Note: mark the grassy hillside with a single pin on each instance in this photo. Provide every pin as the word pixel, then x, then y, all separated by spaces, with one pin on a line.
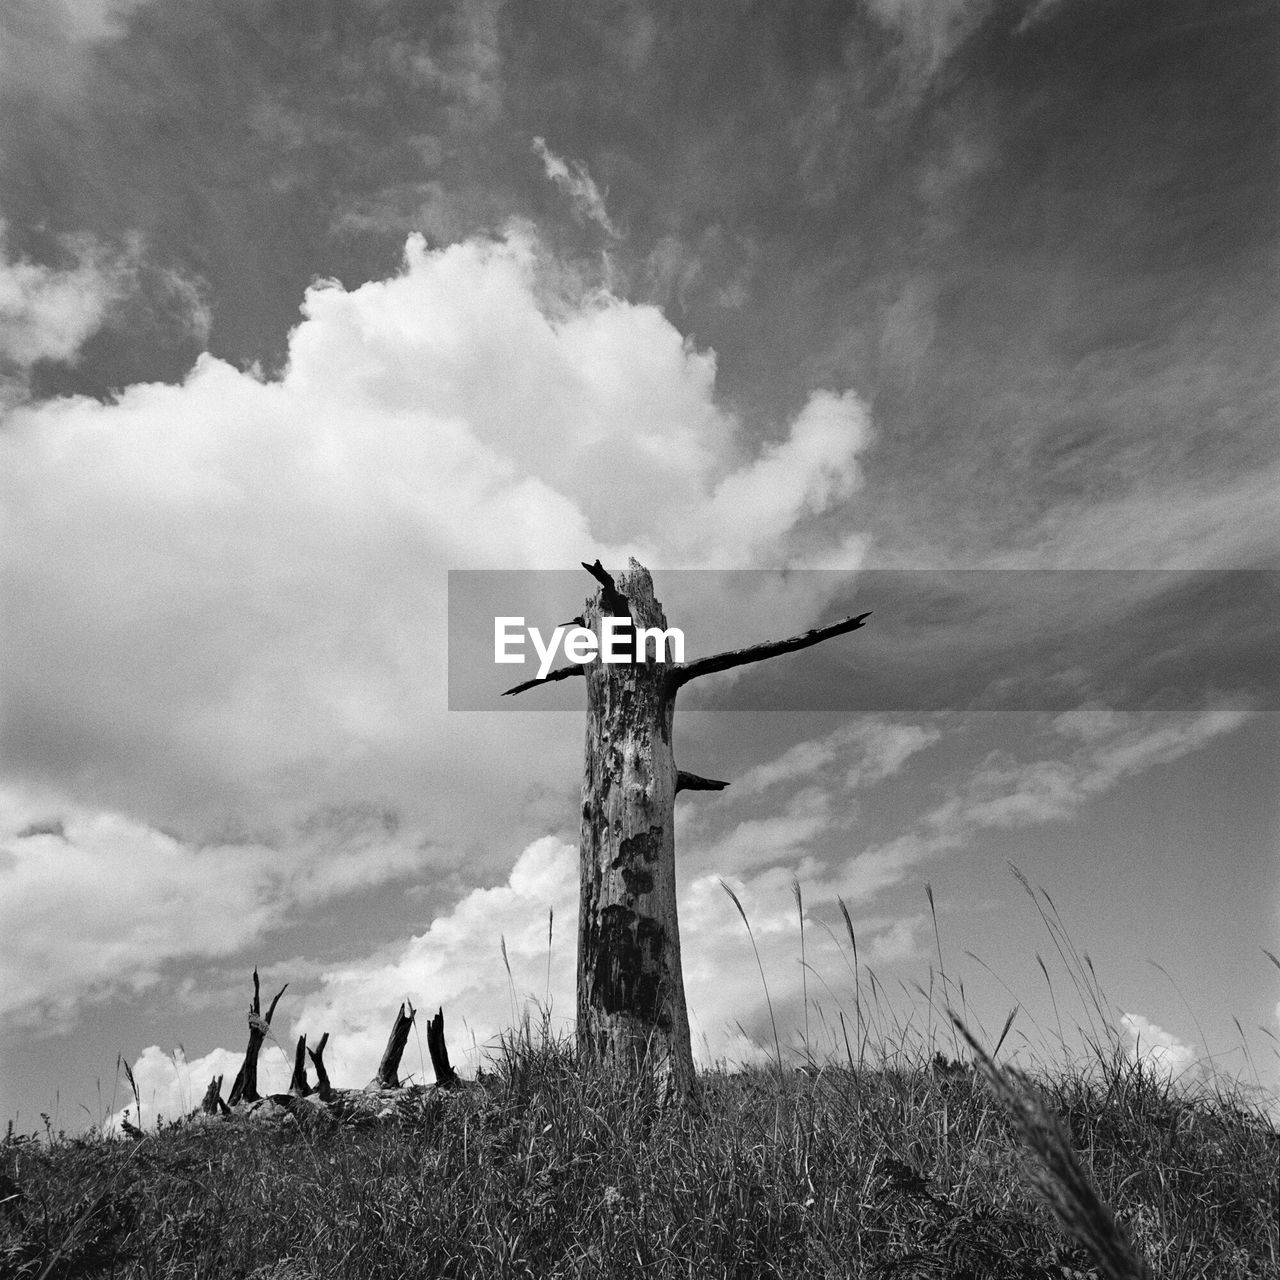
pixel 913 1167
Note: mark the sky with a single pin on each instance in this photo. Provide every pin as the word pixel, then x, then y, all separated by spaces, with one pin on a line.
pixel 306 306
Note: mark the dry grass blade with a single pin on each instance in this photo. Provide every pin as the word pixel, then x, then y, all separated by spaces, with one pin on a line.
pixel 1065 1186
pixel 777 1044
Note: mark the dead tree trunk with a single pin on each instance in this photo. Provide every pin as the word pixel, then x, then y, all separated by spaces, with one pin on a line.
pixel 245 1088
pixel 631 1007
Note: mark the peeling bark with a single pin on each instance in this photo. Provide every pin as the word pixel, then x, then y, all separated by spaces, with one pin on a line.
pixel 631 1007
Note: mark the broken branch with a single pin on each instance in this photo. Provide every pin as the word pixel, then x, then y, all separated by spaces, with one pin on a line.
pixel 562 674
pixel 692 782
pixel 681 675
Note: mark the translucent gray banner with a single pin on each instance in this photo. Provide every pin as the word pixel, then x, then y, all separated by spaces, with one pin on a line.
pixel 992 640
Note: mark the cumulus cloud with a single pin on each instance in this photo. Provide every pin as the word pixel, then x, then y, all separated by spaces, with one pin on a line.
pixel 170 1085
pixel 226 598
pixel 573 179
pixel 94 902
pixel 458 963
pixel 1156 1048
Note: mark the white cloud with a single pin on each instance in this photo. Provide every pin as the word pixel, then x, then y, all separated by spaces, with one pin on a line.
pixel 226 599
pixel 170 1086
pixel 93 902
pixel 457 963
pixel 868 749
pixel 930 31
pixel 574 180
pixel 1156 1048
pixel 43 42
pixel 1102 750
pixel 48 312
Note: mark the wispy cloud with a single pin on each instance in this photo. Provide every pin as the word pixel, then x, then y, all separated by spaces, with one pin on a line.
pixel 868 750
pixel 572 178
pixel 46 313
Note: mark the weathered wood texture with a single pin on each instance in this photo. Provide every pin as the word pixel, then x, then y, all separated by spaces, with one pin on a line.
pixel 631 1005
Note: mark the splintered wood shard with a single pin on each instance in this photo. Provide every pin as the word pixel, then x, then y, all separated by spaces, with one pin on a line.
pixel 387 1077
pixel 446 1076
pixel 323 1088
pixel 298 1085
pixel 212 1101
pixel 245 1088
pixel 613 602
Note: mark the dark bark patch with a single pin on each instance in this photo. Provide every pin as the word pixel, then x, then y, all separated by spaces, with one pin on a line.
pixel 637 881
pixel 644 846
pixel 627 965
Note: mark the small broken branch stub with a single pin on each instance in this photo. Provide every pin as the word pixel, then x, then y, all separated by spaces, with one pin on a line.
pixel 692 782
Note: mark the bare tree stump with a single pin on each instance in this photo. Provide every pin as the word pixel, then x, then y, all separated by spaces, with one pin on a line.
pixel 323 1088
pixel 446 1076
pixel 298 1085
pixel 387 1077
pixel 212 1103
pixel 245 1088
